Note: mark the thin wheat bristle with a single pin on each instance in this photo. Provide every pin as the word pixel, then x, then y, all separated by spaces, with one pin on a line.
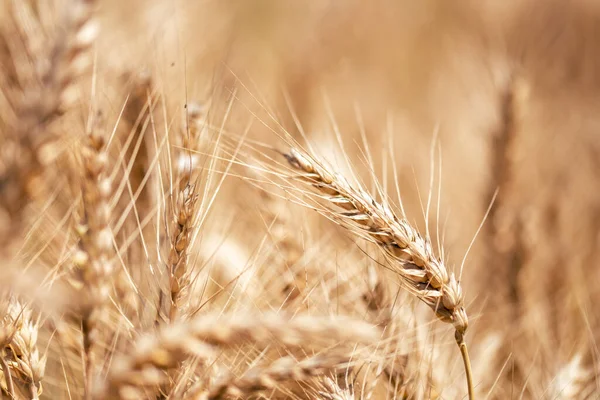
pixel 287 250
pixel 574 380
pixel 335 389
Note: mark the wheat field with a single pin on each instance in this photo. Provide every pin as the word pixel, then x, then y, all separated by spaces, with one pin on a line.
pixel 333 200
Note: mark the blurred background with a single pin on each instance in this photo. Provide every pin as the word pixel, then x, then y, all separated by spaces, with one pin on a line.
pixel 506 93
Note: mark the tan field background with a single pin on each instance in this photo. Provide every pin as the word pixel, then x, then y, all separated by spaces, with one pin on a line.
pixel 469 106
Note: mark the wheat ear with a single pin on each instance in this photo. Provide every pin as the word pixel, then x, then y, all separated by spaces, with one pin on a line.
pixel 340 388
pixel 265 378
pixel 185 208
pixel 69 59
pixel 409 254
pixel 94 258
pixel 22 355
pixel 48 92
pixel 9 324
pixel 200 337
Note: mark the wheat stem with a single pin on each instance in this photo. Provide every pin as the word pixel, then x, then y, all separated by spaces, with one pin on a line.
pixel 464 352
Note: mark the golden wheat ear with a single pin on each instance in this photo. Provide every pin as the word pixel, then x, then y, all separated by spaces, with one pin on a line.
pixel 22 365
pixel 284 369
pixel 408 254
pixel 185 208
pixel 39 83
pixel 204 337
pixel 94 258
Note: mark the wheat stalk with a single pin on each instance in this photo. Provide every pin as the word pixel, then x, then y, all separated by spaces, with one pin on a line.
pixel 410 255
